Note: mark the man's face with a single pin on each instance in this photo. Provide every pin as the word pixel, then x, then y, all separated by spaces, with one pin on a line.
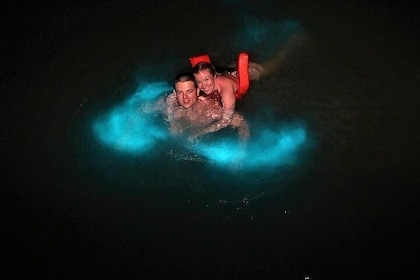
pixel 205 81
pixel 186 93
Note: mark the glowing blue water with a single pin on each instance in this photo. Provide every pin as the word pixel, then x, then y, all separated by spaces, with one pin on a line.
pixel 261 34
pixel 267 148
pixel 127 129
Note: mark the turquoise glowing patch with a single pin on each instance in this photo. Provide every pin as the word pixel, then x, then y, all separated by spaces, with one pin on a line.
pixel 268 147
pixel 126 128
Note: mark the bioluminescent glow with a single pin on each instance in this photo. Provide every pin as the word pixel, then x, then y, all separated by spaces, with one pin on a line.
pixel 277 147
pixel 149 92
pixel 126 128
pixel 269 36
pixel 222 152
pixel 268 148
pixel 261 34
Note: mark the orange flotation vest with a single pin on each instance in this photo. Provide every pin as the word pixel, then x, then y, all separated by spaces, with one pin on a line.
pixel 201 58
pixel 241 68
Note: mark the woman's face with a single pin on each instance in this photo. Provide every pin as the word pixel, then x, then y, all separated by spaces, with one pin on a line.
pixel 205 81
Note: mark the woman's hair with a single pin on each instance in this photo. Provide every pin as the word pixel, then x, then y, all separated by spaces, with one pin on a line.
pixel 203 66
pixel 185 77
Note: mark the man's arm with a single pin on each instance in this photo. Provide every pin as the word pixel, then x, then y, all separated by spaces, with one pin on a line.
pixel 233 119
pixel 224 121
pixel 240 122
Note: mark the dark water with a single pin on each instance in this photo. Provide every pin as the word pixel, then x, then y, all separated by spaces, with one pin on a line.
pixel 72 208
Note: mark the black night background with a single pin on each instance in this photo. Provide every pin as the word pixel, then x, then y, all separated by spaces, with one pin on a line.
pixel 73 208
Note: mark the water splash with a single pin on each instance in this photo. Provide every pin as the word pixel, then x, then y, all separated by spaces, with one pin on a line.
pixel 128 129
pixel 125 128
pixel 269 147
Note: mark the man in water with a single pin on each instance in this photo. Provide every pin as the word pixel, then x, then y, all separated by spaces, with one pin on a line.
pixel 191 116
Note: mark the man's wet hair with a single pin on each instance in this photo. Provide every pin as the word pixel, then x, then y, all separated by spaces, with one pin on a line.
pixel 185 76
